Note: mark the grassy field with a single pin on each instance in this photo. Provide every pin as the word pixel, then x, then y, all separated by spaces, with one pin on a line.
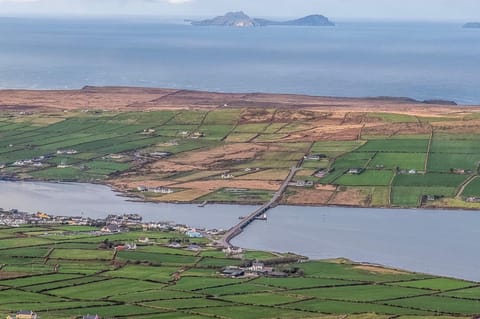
pixel 160 282
pixel 189 150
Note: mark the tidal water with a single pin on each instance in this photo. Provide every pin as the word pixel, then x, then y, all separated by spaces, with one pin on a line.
pixel 96 201
pixel 435 242
pixel 417 60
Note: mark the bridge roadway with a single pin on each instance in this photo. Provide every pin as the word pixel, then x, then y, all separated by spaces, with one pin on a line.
pixel 237 229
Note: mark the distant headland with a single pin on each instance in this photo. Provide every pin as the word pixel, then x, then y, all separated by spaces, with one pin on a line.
pixel 472 25
pixel 240 19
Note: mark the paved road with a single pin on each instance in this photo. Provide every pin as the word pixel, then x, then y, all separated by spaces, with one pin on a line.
pixel 237 229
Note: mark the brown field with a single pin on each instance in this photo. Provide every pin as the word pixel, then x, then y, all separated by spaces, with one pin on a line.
pixel 269 175
pixel 197 175
pixel 309 197
pixel 215 156
pixel 350 197
pixel 391 129
pixel 214 185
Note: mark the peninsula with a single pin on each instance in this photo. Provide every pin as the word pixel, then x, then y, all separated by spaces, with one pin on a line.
pixel 240 19
pixel 185 146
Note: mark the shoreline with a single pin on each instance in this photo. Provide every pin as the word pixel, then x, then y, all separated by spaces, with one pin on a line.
pixel 59 220
pixel 138 199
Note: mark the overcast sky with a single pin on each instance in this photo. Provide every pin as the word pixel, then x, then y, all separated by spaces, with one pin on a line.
pixel 457 10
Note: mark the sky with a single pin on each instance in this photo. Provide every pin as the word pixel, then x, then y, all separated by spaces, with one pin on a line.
pixel 416 10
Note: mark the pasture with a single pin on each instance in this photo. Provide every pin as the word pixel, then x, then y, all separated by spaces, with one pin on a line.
pixel 156 281
pixel 191 150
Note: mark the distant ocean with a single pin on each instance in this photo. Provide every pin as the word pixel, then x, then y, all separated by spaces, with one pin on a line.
pixel 422 61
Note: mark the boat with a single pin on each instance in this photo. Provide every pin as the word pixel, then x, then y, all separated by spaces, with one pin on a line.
pixel 263 217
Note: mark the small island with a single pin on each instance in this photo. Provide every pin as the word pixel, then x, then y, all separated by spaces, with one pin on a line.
pixel 472 25
pixel 240 19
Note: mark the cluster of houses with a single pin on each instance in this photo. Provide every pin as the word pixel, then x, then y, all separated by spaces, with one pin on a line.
pixel 472 199
pixel 156 190
pixel 34 162
pixel 14 218
pixel 23 314
pixel 28 314
pixel 39 161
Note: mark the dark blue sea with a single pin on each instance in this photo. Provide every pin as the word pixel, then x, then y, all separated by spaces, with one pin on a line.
pixel 417 60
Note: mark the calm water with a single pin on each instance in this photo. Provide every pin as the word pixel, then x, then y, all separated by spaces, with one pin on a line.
pixel 96 201
pixel 423 61
pixel 437 242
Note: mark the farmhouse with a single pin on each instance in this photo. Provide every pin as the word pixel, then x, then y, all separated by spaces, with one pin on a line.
pixel 233 250
pixel 142 188
pixel 303 183
pixel 320 173
pixel 144 240
pixel 197 135
pixel 193 233
pixel 111 229
pixel 461 171
pixel 233 272
pixel 175 245
pixel 148 131
pixel 314 157
pixel 227 176
pixel 160 154
pixel 257 266
pixel 23 314
pixel 67 152
pixel 355 171
pixel 194 247
pixel 162 190
pixel 91 317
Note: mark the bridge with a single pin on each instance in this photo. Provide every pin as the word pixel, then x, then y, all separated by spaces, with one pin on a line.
pixel 238 229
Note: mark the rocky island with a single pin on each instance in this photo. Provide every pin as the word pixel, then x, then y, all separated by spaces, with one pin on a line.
pixel 240 19
pixel 472 25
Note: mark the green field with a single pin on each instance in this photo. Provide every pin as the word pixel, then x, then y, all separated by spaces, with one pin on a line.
pixel 367 178
pixel 124 148
pixel 160 282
